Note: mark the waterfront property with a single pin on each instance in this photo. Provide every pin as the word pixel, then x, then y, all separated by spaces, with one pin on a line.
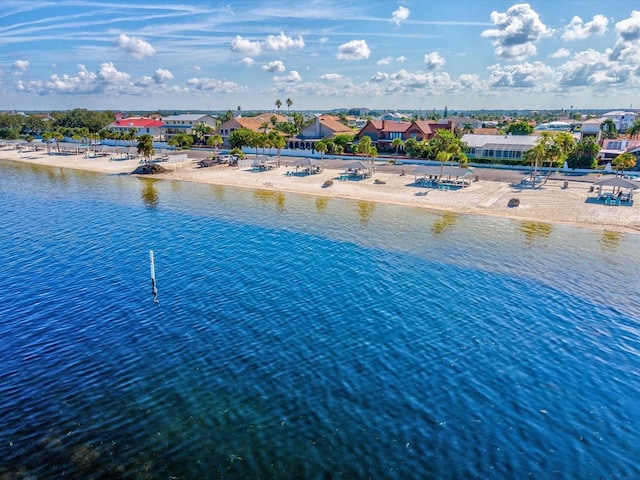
pixel 498 147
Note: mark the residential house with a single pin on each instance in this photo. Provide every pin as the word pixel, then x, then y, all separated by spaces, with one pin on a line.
pixel 255 124
pixel 461 122
pixel 498 147
pixel 383 132
pixel 591 128
pixel 142 126
pixel 323 126
pixel 622 119
pixel 184 123
pixel 612 147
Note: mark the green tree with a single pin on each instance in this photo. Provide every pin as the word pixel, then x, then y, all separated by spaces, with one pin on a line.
pixel 609 129
pixel 181 140
pixel 519 127
pixel 289 104
pixel 58 137
pixel 584 154
pixel 412 147
pixel 130 135
pixel 278 105
pixel 201 130
pixel 624 161
pixel 214 141
pixel 242 137
pixel 364 146
pixel 397 144
pixel 145 147
pixel 321 147
pixel 634 130
pixel 467 128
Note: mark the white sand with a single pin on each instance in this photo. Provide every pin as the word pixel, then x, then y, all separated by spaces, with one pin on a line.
pixel 551 203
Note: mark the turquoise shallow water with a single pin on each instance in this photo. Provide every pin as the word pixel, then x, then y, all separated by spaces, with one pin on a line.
pixel 306 338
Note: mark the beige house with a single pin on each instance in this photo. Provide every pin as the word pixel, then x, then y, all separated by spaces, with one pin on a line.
pixel 184 123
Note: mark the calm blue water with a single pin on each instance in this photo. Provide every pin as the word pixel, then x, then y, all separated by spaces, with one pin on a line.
pixel 299 337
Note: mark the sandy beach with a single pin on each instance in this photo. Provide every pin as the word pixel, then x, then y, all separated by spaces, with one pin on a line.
pixel 550 203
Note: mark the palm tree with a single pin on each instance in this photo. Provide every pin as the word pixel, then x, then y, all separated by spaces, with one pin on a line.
pixel 278 105
pixel 145 146
pixel 397 143
pixel 58 137
pixel 47 137
pixel 609 128
pixel 467 128
pixel 289 103
pixel 634 130
pixel 215 141
pixel 321 147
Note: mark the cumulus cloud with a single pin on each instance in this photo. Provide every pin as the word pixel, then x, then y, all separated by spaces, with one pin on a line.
pixel 332 77
pixel 354 50
pixel 247 61
pixel 526 75
pixel 274 67
pixel 518 30
pixel 108 80
pixel 434 60
pixel 323 40
pixel 272 43
pixel 162 75
pixel 400 15
pixel 20 65
pixel 401 59
pixel 379 77
pixel 247 47
pixel 293 77
pixel 561 53
pixel 576 30
pixel 109 74
pixel 282 42
pixel 213 85
pixel 627 46
pixel 136 47
pixel 591 68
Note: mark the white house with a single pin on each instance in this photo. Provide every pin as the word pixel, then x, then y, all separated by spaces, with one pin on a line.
pixel 184 123
pixel 622 119
pixel 498 147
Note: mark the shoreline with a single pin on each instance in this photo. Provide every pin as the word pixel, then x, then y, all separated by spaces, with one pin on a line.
pixel 550 203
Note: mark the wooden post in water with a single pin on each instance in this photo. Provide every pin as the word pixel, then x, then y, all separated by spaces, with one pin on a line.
pixel 154 288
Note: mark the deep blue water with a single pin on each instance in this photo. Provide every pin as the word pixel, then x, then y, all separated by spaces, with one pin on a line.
pixel 300 337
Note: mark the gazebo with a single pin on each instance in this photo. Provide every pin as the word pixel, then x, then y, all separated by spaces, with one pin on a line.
pixel 618 184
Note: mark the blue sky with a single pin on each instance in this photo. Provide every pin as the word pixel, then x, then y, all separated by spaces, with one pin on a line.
pixel 322 54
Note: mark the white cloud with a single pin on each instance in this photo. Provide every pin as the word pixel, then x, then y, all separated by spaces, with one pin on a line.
pixel 136 47
pixel 213 85
pixel 332 77
pixel 592 68
pixel 162 75
pixel 109 74
pixel 576 30
pixel 240 45
pixel 282 42
pixel 197 68
pixel 434 60
pixel 518 31
pixel 247 61
pixel 274 67
pixel 401 59
pixel 400 15
pixel 293 77
pixel 20 65
pixel 379 77
pixel 354 50
pixel 384 61
pixel 561 53
pixel 627 46
pixel 525 75
pixel 272 43
pixel 323 40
